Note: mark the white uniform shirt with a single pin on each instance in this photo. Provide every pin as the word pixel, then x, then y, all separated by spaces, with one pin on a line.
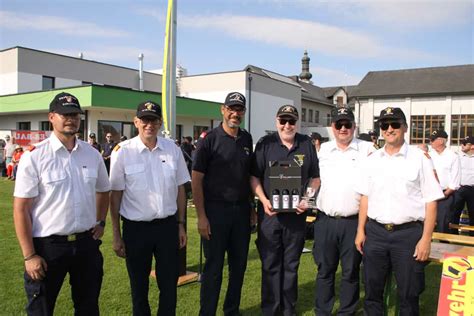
pixel 149 179
pixel 339 170
pixel 467 169
pixel 63 184
pixel 448 168
pixel 398 186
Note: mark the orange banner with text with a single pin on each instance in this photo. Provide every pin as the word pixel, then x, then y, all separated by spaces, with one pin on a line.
pixel 456 293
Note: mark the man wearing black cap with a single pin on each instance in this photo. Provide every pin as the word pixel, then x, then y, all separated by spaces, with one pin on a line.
pixel 448 169
pixel 61 200
pixel 93 142
pixel 281 236
pixel 396 217
pixel 374 139
pixel 222 195
pixel 465 194
pixel 336 225
pixel 147 175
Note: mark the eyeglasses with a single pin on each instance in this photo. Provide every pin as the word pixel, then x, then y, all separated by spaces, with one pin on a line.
pixel 289 121
pixel 395 125
pixel 238 109
pixel 149 120
pixel 339 125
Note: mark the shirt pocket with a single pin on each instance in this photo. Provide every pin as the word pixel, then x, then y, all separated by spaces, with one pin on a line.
pixel 409 180
pixel 135 178
pixel 169 171
pixel 54 177
pixel 90 179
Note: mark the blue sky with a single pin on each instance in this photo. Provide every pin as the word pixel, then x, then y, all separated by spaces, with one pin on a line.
pixel 345 39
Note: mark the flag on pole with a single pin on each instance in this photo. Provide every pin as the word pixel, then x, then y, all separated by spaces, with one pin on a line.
pixel 168 84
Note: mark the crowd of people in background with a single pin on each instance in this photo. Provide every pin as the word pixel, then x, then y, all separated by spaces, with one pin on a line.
pixel 374 205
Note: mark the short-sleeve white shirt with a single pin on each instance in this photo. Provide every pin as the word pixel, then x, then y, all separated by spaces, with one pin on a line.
pixel 149 179
pixel 448 168
pixel 398 186
pixel 63 185
pixel 467 169
pixel 338 170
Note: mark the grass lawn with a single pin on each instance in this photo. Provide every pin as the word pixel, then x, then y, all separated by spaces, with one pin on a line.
pixel 115 295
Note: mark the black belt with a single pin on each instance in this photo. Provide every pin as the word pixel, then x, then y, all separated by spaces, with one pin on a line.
pixel 355 216
pixel 393 227
pixel 68 238
pixel 153 221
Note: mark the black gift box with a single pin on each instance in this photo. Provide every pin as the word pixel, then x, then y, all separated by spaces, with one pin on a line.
pixel 285 188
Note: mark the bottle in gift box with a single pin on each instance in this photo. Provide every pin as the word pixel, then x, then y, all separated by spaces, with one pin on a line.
pixel 285 196
pixel 276 199
pixel 295 198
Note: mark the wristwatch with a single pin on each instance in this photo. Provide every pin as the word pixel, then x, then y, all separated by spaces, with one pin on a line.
pixel 100 223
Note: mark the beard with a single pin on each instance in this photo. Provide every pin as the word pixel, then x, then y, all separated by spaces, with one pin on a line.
pixel 230 124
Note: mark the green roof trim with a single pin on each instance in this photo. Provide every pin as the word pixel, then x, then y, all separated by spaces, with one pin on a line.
pixel 93 96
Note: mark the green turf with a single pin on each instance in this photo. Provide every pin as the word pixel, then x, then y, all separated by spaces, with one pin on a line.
pixel 115 295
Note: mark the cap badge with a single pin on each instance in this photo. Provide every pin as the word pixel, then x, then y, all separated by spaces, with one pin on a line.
pixel 149 106
pixel 287 109
pixel 236 97
pixel 388 111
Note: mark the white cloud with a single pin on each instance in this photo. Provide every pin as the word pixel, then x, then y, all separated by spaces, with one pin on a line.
pixel 393 14
pixel 314 36
pixel 55 24
pixel 327 77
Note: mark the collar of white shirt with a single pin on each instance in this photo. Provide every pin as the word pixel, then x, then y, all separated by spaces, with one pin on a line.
pixel 57 145
pixel 353 145
pixel 402 152
pixel 141 146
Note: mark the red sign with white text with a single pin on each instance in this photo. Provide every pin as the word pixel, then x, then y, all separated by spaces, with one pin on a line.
pixel 25 138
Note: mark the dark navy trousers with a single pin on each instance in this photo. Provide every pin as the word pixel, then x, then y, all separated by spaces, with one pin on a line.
pixel 280 242
pixel 83 261
pixel 143 241
pixel 230 233
pixel 334 243
pixel 386 251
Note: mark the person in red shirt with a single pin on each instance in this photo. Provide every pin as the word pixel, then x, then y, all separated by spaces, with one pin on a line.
pixel 12 166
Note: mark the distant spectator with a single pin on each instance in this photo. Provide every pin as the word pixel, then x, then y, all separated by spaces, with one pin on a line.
pixel 187 149
pixel 3 143
pixel 13 165
pixel 316 139
pixel 93 142
pixel 8 149
pixel 79 135
pixel 374 138
pixel 123 137
pixel 107 148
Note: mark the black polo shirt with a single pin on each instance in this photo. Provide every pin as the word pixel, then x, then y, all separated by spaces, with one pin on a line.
pixel 225 161
pixel 270 148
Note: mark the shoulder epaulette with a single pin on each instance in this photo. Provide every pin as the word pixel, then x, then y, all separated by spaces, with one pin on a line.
pixel 32 147
pixel 427 155
pixel 117 147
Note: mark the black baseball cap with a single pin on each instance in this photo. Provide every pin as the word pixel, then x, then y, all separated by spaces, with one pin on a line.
pixel 438 134
pixel 235 99
pixel 65 103
pixel 92 135
pixel 372 133
pixel 467 140
pixel 342 113
pixel 288 111
pixel 391 113
pixel 316 136
pixel 149 108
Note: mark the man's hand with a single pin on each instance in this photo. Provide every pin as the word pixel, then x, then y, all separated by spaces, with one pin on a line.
pixel 422 249
pixel 97 232
pixel 182 236
pixel 302 207
pixel 119 247
pixel 204 228
pixel 36 268
pixel 267 207
pixel 360 241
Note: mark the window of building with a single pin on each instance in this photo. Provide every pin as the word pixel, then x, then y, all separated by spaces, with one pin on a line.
pixel 423 125
pixel 310 115
pixel 116 128
pixel 23 126
pixel 179 131
pixel 45 126
pixel 316 116
pixel 328 119
pixel 48 83
pixel 461 126
pixel 197 130
pixel 303 114
pixel 340 101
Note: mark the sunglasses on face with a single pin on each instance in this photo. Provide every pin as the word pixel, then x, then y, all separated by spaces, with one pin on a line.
pixel 238 109
pixel 339 125
pixel 395 125
pixel 289 121
pixel 149 120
